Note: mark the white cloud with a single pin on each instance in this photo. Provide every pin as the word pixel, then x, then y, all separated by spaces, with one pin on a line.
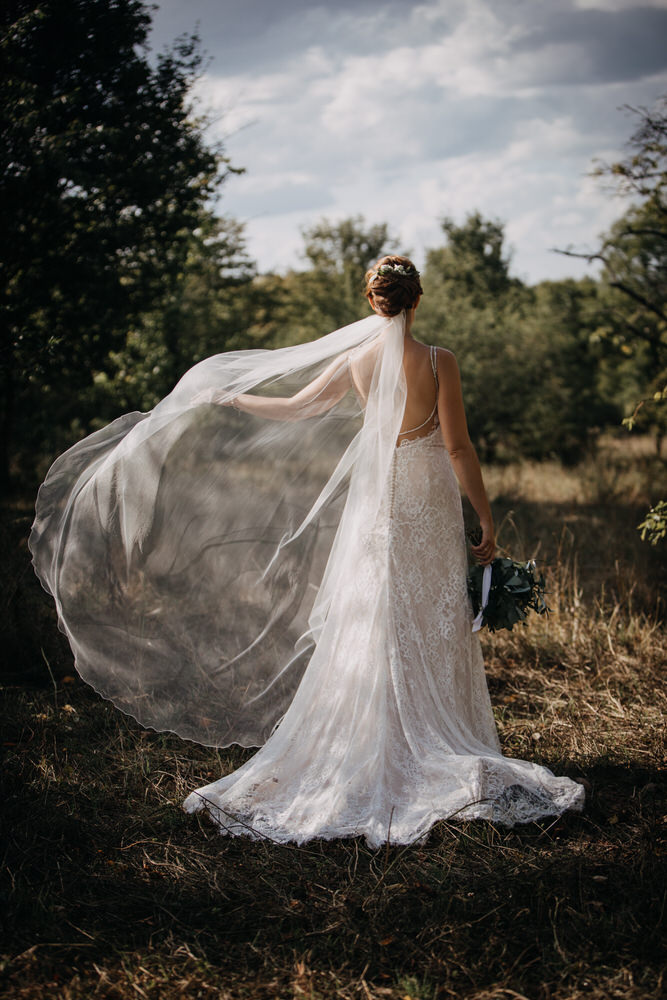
pixel 618 4
pixel 455 106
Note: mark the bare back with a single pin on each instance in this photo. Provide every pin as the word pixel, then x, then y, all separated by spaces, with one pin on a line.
pixel 421 406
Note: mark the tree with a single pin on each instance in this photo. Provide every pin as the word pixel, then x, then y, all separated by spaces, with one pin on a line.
pixel 302 304
pixel 105 176
pixel 633 253
pixel 473 264
pixel 339 255
pixel 566 406
pixel 468 301
pixel 528 370
pixel 210 308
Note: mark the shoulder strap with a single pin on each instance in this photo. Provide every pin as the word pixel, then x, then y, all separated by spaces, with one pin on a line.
pixel 434 363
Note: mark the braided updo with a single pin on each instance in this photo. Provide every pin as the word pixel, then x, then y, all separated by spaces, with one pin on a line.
pixel 394 290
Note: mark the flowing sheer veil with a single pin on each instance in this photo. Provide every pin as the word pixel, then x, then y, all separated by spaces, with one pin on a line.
pixel 194 551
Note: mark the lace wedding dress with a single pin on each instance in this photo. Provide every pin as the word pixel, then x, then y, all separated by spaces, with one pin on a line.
pixel 391 728
pixel 289 578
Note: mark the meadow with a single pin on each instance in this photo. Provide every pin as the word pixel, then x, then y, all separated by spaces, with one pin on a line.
pixel 109 890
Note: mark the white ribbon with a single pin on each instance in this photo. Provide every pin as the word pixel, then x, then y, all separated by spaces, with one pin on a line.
pixel 486 587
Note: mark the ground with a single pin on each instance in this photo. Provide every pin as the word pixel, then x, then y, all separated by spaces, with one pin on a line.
pixel 110 890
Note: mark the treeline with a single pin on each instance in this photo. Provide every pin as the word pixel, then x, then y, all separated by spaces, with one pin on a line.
pixel 119 271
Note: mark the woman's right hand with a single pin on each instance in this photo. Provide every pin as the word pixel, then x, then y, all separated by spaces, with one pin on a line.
pixel 484 552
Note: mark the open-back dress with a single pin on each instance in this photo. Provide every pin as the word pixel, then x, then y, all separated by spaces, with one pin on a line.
pixel 391 728
pixel 292 579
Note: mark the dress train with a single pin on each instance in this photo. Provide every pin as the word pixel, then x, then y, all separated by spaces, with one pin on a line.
pixel 391 728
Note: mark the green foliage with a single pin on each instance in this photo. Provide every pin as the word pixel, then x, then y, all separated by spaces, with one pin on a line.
pixel 650 413
pixel 527 356
pixel 205 313
pixel 295 307
pixel 634 256
pixel 654 526
pixel 339 254
pixel 472 266
pixel 634 259
pixel 569 405
pixel 633 253
pixel 514 590
pixel 468 295
pixel 104 179
pixel 643 173
pixel 117 275
pixel 349 246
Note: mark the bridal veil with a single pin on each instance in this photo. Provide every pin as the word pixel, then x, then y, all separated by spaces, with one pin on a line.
pixel 193 551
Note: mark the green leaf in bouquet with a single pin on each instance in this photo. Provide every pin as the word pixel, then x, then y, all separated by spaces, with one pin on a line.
pixel 515 589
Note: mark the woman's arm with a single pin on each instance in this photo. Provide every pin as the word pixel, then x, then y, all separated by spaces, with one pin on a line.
pixel 315 398
pixel 454 429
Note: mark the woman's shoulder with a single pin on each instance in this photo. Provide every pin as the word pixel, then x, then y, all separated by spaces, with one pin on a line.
pixel 424 348
pixel 446 362
pixel 444 356
pixel 441 352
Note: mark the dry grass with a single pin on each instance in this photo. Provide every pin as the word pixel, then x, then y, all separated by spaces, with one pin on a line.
pixel 111 891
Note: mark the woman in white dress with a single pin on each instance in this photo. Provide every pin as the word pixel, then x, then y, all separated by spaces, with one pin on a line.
pixel 287 569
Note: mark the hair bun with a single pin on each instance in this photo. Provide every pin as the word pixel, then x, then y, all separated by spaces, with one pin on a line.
pixel 393 285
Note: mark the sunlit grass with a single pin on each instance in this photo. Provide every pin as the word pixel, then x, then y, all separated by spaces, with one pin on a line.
pixel 110 890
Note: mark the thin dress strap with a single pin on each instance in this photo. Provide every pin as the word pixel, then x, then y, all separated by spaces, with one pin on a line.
pixel 434 366
pixel 433 413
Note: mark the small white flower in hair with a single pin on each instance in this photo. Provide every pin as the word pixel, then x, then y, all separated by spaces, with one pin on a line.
pixel 387 270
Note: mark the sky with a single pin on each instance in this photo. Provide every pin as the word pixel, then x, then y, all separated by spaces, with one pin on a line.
pixel 406 112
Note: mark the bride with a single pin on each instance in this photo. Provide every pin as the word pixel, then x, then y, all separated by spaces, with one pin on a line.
pixel 275 556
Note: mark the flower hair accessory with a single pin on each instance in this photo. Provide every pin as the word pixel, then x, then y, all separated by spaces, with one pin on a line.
pixel 395 271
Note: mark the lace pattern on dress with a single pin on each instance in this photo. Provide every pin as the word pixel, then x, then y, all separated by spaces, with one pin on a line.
pixel 393 729
pixel 396 731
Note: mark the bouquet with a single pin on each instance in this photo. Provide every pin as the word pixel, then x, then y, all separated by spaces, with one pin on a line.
pixel 503 592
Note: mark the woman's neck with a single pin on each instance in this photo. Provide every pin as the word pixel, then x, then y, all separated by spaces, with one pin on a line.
pixel 409 319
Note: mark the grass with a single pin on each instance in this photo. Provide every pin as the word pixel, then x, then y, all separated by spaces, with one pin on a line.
pixel 110 890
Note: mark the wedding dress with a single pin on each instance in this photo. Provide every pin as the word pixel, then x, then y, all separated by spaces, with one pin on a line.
pixel 293 579
pixel 391 728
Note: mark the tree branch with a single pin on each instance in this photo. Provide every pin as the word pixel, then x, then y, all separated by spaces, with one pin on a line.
pixel 640 299
pixel 643 335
